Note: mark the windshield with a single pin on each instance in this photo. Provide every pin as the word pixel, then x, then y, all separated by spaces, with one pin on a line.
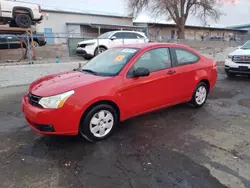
pixel 105 35
pixel 110 62
pixel 246 45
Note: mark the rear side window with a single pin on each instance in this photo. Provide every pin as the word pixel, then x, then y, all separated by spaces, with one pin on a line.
pixel 185 57
pixel 119 35
pixel 139 36
pixel 130 35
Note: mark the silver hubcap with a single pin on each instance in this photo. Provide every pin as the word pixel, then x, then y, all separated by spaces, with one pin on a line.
pixel 101 50
pixel 101 123
pixel 201 95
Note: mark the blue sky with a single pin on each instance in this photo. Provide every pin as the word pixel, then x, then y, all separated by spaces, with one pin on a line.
pixel 234 14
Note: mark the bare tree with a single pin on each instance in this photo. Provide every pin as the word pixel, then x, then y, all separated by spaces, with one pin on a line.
pixel 176 10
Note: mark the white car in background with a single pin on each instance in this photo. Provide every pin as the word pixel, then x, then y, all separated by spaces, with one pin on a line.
pixel 238 62
pixel 91 48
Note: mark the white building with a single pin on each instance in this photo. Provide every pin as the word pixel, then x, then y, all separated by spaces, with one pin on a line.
pixel 58 24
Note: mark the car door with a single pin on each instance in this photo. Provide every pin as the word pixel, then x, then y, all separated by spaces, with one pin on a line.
pixel 185 73
pixel 116 39
pixel 13 42
pixel 144 94
pixel 3 42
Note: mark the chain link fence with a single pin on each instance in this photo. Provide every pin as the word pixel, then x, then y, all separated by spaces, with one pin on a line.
pixel 63 46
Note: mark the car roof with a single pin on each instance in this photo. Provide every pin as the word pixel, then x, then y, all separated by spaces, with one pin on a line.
pixel 149 45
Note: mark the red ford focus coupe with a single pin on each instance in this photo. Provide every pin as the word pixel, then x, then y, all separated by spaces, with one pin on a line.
pixel 118 84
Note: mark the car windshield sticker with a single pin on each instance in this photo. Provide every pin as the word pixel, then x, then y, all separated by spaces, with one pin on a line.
pixel 119 58
pixel 129 50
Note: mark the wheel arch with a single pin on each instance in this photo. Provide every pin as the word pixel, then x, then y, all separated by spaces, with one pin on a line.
pixel 98 102
pixel 102 46
pixel 206 81
pixel 22 10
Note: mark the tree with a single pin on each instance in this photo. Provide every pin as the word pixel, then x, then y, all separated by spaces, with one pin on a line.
pixel 176 10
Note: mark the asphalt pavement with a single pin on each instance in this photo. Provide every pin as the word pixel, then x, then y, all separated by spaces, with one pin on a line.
pixel 178 147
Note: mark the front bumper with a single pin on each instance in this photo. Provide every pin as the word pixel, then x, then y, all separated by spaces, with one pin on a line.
pixel 88 51
pixel 63 121
pixel 39 19
pixel 236 68
pixel 81 52
pixel 42 43
pixel 239 70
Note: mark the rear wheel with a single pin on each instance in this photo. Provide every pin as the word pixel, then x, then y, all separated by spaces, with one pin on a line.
pixel 23 20
pixel 200 95
pixel 99 122
pixel 34 44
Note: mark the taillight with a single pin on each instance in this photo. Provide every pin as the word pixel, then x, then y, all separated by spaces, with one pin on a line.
pixel 43 37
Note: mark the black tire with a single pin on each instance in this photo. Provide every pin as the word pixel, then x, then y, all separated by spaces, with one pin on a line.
pixel 100 50
pixel 13 24
pixel 23 20
pixel 85 123
pixel 230 75
pixel 35 44
pixel 194 102
pixel 87 57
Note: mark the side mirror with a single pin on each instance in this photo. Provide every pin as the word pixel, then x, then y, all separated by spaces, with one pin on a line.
pixel 141 72
pixel 113 38
pixel 239 47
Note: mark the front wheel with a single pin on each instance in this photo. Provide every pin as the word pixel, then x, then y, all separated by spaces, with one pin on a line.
pixel 99 123
pixel 99 50
pixel 230 75
pixel 200 95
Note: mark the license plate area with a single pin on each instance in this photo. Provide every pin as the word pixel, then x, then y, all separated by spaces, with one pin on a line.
pixel 243 68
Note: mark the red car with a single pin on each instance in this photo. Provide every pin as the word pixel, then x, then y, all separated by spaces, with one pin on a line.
pixel 118 84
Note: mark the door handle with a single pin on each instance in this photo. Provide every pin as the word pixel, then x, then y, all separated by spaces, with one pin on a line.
pixel 170 72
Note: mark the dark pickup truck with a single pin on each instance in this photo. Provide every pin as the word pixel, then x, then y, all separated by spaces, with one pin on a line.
pixel 13 42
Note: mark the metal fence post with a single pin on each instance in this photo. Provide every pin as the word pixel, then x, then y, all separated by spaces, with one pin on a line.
pixel 29 52
pixel 98 45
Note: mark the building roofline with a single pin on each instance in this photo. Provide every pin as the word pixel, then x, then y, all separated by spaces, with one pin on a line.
pixel 239 26
pixel 96 25
pixel 84 13
pixel 192 26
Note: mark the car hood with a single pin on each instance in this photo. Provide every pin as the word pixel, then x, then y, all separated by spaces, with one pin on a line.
pixel 59 83
pixel 90 41
pixel 241 52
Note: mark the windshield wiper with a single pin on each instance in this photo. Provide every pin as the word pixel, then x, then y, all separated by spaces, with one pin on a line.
pixel 89 71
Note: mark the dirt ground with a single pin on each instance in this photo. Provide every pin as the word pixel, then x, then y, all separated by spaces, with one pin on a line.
pixel 175 147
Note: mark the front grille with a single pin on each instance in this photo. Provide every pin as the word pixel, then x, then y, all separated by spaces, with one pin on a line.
pixel 241 59
pixel 34 100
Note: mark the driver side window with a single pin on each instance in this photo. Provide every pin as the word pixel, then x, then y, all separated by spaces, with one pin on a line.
pixel 154 60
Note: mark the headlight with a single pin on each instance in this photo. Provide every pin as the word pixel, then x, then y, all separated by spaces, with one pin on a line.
pixel 56 101
pixel 229 56
pixel 90 44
